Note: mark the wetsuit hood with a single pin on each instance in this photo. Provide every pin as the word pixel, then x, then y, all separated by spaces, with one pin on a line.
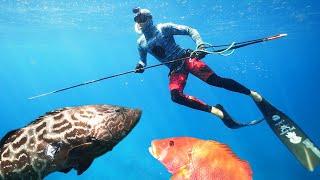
pixel 143 17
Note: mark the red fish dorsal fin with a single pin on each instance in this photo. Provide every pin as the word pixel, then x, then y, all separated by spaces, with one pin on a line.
pixel 212 152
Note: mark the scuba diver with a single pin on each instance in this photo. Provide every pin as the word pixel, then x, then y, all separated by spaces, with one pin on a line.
pixel 158 40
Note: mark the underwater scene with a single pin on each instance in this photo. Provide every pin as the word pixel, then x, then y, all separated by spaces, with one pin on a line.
pixel 159 89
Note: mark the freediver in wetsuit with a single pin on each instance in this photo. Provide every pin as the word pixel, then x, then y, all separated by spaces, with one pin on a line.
pixel 158 40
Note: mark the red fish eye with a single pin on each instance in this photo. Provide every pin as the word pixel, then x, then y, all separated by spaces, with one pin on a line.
pixel 171 143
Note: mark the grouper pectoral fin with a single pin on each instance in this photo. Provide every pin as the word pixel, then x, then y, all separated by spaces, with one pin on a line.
pixel 86 148
pixel 83 165
pixel 81 156
pixel 80 151
pixel 66 170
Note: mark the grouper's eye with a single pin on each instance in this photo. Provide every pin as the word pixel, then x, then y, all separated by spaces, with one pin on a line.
pixel 171 143
pixel 118 110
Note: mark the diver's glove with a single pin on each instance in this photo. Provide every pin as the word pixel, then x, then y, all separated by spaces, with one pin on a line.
pixel 139 68
pixel 200 52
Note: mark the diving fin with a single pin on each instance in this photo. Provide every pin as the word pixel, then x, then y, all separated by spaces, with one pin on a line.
pixel 291 135
pixel 231 123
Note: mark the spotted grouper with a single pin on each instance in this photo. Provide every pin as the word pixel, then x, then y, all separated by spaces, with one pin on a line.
pixel 65 139
pixel 196 159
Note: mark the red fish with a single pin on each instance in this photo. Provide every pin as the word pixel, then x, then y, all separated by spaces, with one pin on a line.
pixel 196 159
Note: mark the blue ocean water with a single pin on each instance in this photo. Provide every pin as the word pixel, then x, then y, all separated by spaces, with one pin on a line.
pixel 47 45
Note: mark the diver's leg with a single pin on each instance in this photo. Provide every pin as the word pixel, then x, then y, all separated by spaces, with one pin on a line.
pixel 227 83
pixel 203 72
pixel 233 85
pixel 189 101
pixel 177 84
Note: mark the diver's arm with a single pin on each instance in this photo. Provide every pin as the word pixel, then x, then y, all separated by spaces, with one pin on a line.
pixel 143 59
pixel 175 29
pixel 142 51
pixel 143 56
